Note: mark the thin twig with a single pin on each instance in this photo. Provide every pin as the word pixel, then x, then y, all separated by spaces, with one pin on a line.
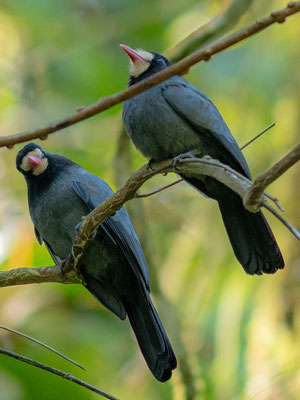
pixel 58 372
pixel 42 344
pixel 275 200
pixel 283 220
pixel 105 103
pixel 257 136
pixel 140 196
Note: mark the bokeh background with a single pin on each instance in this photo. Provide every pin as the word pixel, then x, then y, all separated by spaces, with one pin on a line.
pixel 236 336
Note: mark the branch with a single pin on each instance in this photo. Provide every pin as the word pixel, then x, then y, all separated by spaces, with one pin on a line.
pixel 24 276
pixel 199 166
pixel 204 166
pixel 218 25
pixel 58 372
pixel 283 220
pixel 263 180
pixel 105 103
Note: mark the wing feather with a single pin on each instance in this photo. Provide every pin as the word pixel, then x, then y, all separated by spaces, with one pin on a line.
pixel 196 109
pixel 93 191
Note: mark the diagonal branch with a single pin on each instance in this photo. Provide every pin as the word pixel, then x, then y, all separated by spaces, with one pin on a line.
pixel 105 103
pixel 55 371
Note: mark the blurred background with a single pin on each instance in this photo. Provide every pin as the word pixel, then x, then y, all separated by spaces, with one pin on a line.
pixel 236 336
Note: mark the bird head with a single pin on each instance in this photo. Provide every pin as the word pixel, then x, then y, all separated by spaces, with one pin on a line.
pixel 144 63
pixel 32 160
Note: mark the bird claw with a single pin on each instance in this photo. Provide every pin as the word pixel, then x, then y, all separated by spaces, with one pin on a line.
pixel 77 230
pixel 77 227
pixel 150 163
pixel 64 266
pixel 176 160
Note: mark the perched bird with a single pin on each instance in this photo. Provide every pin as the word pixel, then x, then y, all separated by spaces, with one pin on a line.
pixel 175 118
pixel 113 266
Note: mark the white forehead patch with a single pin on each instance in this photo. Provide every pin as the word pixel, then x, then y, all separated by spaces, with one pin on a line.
pixel 25 165
pixel 137 67
pixel 145 54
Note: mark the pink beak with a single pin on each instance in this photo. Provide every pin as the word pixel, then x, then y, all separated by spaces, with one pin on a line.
pixel 34 161
pixel 132 54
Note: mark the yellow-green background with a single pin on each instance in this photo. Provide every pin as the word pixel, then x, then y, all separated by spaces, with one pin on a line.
pixel 241 334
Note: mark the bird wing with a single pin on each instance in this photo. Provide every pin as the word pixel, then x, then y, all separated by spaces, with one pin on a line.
pixel 93 191
pixel 101 291
pixel 55 258
pixel 198 111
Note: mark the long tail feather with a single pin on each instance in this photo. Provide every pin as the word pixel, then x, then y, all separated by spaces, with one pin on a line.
pixel 152 338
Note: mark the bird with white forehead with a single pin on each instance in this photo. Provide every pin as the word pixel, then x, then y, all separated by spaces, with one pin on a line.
pixel 144 63
pixel 175 119
pixel 113 266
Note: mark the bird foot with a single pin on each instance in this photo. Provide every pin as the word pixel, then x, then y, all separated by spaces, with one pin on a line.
pixel 77 230
pixel 190 154
pixel 77 227
pixel 64 266
pixel 150 163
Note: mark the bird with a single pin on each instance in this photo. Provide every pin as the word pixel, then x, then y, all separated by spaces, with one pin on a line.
pixel 113 265
pixel 173 120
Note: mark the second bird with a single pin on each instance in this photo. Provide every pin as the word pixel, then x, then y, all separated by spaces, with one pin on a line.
pixel 113 265
pixel 175 117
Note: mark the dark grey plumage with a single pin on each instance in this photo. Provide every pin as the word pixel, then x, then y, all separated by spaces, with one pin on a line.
pixel 175 117
pixel 113 266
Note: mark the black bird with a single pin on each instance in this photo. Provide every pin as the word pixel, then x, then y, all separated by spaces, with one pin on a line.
pixel 113 266
pixel 175 118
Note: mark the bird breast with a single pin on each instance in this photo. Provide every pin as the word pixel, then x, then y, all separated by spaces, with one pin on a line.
pixel 56 215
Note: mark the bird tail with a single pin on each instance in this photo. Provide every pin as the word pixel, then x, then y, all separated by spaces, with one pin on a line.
pixel 151 337
pixel 251 238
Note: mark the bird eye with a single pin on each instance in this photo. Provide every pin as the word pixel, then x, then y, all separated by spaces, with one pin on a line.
pixel 161 61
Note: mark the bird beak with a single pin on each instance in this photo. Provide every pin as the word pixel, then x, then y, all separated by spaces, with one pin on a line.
pixel 34 161
pixel 134 56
